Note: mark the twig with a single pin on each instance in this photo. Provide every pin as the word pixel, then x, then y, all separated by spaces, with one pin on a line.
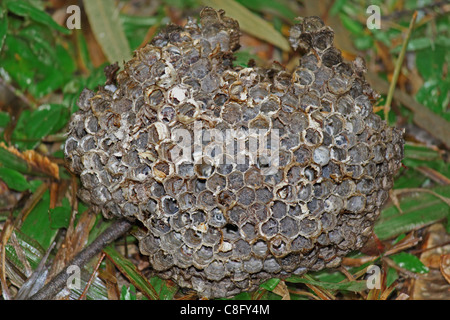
pixel 398 67
pixel 83 295
pixel 117 229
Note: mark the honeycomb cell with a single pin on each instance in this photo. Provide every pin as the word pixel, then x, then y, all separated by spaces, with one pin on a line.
pixel 235 180
pixel 269 228
pixel 279 246
pixel 246 196
pixel 288 227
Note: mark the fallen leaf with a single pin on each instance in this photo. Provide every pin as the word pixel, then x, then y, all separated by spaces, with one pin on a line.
pixel 36 162
pixel 282 290
pixel 445 266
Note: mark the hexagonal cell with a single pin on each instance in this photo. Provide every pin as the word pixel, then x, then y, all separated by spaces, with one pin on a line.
pixel 175 186
pixel 327 253
pixel 260 122
pixel 305 192
pixel 161 261
pixel 302 244
pixel 186 200
pixel 345 188
pixel 290 141
pixel 310 100
pixel 334 124
pixel 149 244
pixel 246 196
pixel 212 236
pixel 259 92
pixel 271 265
pixel 285 193
pixel 192 238
pixel 278 209
pixel 315 206
pixel 323 189
pixel 338 154
pixel 257 212
pixel 356 204
pixel 312 172
pixel 169 205
pixel 158 226
pixel 236 214
pixel 148 209
pixel 328 221
pixel 206 199
pixel 217 218
pixel 241 249
pixel 269 228
pixel 253 265
pixel 226 198
pixel 288 227
pixel 270 105
pixel 237 91
pixel 185 169
pixel 230 234
pixel 304 77
pixel 264 195
pixel 359 153
pixel 260 248
pixel 248 231
pixel 308 227
pixel 333 204
pixel 312 137
pixel 332 170
pixel 89 179
pixel 231 113
pixel 302 155
pixel 216 182
pixel 279 246
pixel 171 241
pixel 365 186
pixel 235 180
pixel 215 271
pixel 355 172
pixel 203 256
pixel 253 177
pixel 180 220
pixel 184 256
pixel 154 96
pixel 363 106
pixel 321 155
pixel 167 115
pixel 161 169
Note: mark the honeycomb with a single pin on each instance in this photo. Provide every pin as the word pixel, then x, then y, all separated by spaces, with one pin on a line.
pixel 222 220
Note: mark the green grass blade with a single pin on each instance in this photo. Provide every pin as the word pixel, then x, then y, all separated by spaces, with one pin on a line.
pixel 355 286
pixel 419 210
pixel 105 22
pixel 130 271
pixel 24 9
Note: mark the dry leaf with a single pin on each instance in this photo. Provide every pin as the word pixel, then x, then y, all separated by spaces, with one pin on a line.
pixel 445 266
pixel 36 161
pixel 282 290
pixel 434 285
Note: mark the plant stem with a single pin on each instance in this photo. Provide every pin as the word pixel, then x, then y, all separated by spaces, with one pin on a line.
pixel 117 229
pixel 398 67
